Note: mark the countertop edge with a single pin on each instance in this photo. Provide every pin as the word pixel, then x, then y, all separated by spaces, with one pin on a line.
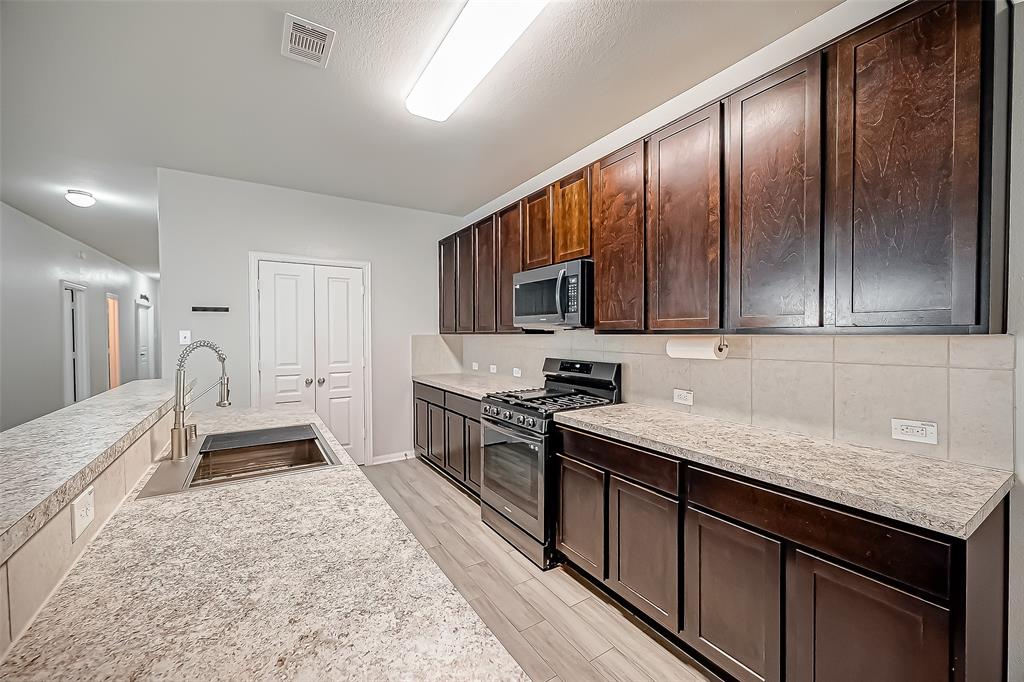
pixel 432 380
pixel 12 539
pixel 880 507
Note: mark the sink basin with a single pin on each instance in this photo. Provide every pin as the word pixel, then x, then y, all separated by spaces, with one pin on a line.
pixel 242 456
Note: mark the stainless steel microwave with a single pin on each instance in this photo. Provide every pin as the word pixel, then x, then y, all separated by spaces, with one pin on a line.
pixel 559 296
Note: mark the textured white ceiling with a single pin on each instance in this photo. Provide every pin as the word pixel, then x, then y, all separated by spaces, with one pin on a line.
pixel 96 95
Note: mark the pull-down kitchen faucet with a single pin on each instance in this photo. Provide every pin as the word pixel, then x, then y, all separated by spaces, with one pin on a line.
pixel 179 439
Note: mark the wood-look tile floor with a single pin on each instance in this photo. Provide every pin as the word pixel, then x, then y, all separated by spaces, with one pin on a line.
pixel 550 622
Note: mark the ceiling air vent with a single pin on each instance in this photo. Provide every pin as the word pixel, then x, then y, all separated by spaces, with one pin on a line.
pixel 305 41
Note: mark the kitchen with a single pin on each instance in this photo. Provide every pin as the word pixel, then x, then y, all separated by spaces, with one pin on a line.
pixel 725 393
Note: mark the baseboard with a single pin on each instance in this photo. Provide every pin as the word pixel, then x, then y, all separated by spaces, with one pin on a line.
pixel 391 457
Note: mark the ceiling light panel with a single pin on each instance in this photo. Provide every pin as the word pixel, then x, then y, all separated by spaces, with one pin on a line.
pixel 480 36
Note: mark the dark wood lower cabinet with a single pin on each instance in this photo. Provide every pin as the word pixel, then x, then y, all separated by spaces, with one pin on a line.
pixel 435 438
pixel 580 529
pixel 732 596
pixel 643 550
pixel 473 454
pixel 420 427
pixel 842 626
pixel 455 440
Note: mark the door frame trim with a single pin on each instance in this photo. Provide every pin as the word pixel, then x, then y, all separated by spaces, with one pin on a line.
pixel 254 333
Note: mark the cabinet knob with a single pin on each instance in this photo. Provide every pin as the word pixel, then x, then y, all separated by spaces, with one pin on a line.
pixel 320 381
pixel 309 381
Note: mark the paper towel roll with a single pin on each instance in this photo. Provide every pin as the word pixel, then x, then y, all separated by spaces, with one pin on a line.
pixel 698 347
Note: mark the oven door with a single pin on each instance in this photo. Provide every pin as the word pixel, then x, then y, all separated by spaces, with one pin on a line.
pixel 512 481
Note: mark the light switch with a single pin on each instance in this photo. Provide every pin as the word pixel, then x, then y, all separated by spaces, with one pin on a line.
pixel 494 369
pixel 83 511
pixel 184 337
pixel 476 366
pixel 516 372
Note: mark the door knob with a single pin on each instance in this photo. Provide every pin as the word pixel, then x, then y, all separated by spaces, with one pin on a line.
pixel 320 381
pixel 309 381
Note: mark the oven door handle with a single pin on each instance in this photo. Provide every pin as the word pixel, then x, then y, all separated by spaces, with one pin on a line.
pixel 528 437
pixel 558 292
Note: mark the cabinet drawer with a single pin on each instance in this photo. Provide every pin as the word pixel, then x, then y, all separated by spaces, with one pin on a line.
pixel 428 393
pixel 660 473
pixel 904 556
pixel 467 407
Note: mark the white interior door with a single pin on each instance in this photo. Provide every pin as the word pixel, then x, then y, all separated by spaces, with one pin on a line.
pixel 143 340
pixel 339 355
pixel 287 361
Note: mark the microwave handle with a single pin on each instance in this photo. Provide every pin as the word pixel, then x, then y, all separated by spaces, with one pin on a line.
pixel 558 292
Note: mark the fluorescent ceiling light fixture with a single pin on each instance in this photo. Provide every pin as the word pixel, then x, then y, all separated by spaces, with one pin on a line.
pixel 79 198
pixel 480 36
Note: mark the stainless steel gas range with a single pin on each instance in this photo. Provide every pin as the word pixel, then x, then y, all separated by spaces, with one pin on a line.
pixel 518 443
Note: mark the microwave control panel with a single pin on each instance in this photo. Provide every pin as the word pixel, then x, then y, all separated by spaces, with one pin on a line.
pixel 573 284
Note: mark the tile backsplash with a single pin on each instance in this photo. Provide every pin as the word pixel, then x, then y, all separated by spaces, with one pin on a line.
pixel 845 388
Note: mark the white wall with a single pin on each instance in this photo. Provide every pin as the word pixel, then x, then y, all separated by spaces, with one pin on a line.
pixel 208 226
pixel 34 258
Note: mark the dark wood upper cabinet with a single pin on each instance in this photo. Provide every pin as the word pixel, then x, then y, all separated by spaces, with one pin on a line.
pixel 643 549
pixel 580 529
pixel 485 242
pixel 571 216
pixel 509 260
pixel 773 209
pixel 842 626
pixel 537 244
pixel 684 222
pixel 465 278
pixel 446 280
pixel 618 232
pixel 905 149
pixel 733 597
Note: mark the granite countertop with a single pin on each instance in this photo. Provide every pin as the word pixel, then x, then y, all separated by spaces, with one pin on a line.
pixel 301 576
pixel 949 497
pixel 474 386
pixel 47 462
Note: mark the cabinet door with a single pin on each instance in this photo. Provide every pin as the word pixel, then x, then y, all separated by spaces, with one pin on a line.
pixel 618 232
pixel 643 550
pixel 845 627
pixel 906 143
pixel 420 426
pixel 473 454
pixel 510 260
pixel 571 216
pixel 537 230
pixel 455 452
pixel 733 593
pixel 486 243
pixel 446 272
pixel 774 199
pixel 580 531
pixel 465 262
pixel 435 437
pixel 684 222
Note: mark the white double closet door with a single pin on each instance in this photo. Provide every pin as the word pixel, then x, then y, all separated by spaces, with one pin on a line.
pixel 311 344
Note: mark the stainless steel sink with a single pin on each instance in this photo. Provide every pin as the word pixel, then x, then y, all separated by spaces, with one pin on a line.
pixel 241 456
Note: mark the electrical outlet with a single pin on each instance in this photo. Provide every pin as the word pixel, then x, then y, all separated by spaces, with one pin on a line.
pixel 83 511
pixel 476 366
pixel 184 337
pixel 916 431
pixel 682 396
pixel 516 372
pixel 494 369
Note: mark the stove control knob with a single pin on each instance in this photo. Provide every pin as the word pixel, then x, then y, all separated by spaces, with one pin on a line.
pixel 531 422
pixel 506 415
pixel 520 420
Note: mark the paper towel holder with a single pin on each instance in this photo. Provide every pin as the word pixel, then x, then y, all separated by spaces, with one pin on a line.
pixel 703 347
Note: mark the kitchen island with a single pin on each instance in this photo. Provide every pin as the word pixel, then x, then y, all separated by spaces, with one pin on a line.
pixel 299 576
